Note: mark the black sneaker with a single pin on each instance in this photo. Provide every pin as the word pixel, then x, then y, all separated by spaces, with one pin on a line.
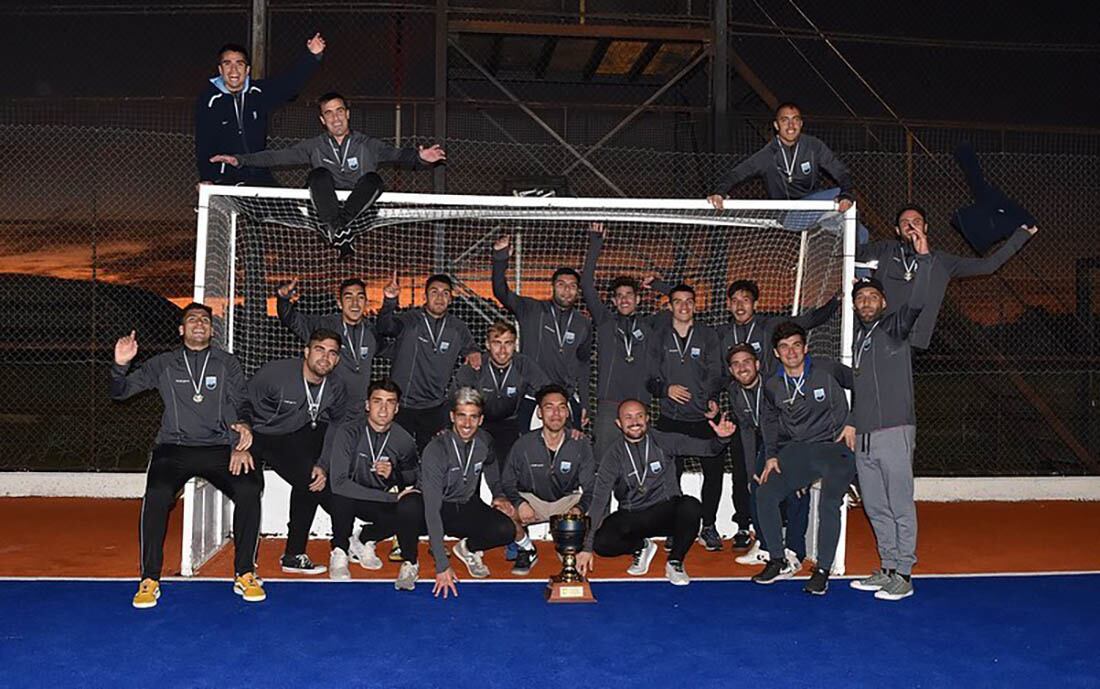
pixel 818 584
pixel 742 540
pixel 775 570
pixel 301 564
pixel 710 539
pixel 525 560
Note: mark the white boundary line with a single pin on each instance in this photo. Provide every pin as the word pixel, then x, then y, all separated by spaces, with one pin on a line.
pixel 611 580
pixel 131 485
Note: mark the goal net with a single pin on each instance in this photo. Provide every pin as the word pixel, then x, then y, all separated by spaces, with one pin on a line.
pixel 251 240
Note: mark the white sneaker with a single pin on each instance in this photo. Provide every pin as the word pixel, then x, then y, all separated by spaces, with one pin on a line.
pixel 368 559
pixel 676 574
pixel 355 546
pixel 406 578
pixel 792 560
pixel 338 565
pixel 755 556
pixel 642 558
pixel 472 560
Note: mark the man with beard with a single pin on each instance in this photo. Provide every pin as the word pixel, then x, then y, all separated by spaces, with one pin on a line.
pixel 552 331
pixel 296 404
pixel 205 432
pixel 641 472
pixel 745 395
pixel 885 419
pixel 371 465
pixel 449 503
pixel 429 341
pixel 358 344
pixel 896 266
pixel 746 326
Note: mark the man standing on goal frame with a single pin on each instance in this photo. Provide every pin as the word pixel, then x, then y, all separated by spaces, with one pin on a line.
pixel 204 431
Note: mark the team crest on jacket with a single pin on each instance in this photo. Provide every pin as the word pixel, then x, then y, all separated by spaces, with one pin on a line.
pixel 565 467
pixel 353 163
pixel 806 167
pixel 211 382
pixel 819 394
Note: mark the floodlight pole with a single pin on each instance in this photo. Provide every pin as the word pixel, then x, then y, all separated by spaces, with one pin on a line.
pixel 259 38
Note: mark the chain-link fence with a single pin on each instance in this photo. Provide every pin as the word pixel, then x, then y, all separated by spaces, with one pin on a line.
pixel 97 226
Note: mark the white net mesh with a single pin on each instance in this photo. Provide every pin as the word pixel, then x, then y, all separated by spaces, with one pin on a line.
pixel 277 239
pixel 252 241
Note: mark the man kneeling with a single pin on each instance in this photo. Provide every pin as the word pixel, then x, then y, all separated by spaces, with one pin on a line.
pixel 548 474
pixel 448 502
pixel 641 470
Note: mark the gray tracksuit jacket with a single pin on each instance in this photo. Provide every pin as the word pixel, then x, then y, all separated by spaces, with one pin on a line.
pixel 278 396
pixel 358 345
pixel 816 412
pixel 758 333
pixel 502 388
pixel 357 156
pixel 450 476
pixel 694 362
pixel 567 362
pixel 643 474
pixel 532 468
pixel 425 353
pixel 619 375
pixel 893 257
pixel 882 367
pixel 806 161
pixel 747 406
pixel 186 422
pixel 353 452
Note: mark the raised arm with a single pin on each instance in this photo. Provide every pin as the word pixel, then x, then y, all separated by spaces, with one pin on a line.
pixel 815 317
pixel 389 322
pixel 297 322
pixel 284 87
pixel 502 252
pixel 600 312
pixel 961 267
pixel 125 383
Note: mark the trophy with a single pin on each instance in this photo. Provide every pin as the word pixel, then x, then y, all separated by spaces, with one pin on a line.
pixel 569 586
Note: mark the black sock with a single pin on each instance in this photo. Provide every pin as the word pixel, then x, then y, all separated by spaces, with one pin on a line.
pixel 906 577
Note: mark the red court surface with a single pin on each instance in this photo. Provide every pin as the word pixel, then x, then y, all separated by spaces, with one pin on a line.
pixel 77 537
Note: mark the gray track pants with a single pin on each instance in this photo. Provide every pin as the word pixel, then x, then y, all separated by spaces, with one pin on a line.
pixel 884 461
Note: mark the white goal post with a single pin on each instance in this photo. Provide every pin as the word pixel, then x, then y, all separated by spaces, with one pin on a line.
pixel 250 239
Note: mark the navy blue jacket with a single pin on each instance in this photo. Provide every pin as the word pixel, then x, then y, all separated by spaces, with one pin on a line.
pixel 217 129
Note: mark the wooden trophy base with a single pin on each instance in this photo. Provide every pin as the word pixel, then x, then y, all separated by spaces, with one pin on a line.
pixel 558 591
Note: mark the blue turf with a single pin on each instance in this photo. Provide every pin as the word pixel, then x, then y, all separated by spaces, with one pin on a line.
pixel 974 632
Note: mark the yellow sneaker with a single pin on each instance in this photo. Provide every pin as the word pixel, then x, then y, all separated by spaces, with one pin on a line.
pixel 250 587
pixel 147 595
